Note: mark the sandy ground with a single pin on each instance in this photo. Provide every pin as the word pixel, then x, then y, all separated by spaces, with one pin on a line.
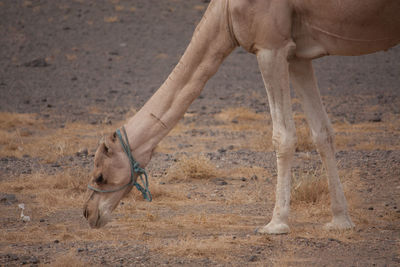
pixel 75 70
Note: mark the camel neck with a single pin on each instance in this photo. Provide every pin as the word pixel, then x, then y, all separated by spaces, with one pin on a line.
pixel 210 45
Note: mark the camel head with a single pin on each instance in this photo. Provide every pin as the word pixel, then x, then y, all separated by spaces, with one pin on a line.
pixel 110 181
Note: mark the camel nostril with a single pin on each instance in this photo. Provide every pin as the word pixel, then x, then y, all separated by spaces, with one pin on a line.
pixel 86 213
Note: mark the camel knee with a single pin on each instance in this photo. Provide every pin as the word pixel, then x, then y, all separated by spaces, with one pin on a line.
pixel 324 139
pixel 285 142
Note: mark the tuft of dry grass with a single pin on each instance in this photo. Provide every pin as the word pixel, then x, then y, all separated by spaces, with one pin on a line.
pixel 310 187
pixel 198 167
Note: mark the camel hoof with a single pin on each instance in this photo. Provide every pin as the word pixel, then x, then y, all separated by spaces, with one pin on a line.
pixel 274 229
pixel 343 223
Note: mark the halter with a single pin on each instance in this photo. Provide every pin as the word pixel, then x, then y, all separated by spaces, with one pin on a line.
pixel 135 168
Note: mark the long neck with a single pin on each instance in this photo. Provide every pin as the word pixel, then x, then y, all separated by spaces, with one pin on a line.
pixel 210 45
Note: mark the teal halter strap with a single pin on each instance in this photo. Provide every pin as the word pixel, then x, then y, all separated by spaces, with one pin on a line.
pixel 135 168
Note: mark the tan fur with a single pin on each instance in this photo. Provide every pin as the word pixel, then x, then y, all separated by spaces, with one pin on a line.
pixel 285 35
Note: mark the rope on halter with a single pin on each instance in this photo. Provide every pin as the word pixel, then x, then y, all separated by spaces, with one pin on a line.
pixel 135 168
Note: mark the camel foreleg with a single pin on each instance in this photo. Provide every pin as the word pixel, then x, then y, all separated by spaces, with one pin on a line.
pixel 275 71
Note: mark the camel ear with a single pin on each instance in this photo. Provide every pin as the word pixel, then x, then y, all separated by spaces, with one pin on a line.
pixel 109 143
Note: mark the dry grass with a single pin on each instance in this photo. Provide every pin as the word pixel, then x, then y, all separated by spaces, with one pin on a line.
pixel 367 135
pixel 304 141
pixel 68 260
pixel 166 225
pixel 14 120
pixel 160 193
pixel 186 168
pixel 239 114
pixel 51 192
pixel 218 247
pixel 310 187
pixel 23 134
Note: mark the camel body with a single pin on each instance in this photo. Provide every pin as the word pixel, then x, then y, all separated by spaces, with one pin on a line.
pixel 285 35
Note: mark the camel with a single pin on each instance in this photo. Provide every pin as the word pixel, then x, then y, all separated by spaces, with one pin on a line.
pixel 285 36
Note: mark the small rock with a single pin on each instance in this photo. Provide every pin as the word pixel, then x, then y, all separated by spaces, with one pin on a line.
pixel 222 150
pixel 219 181
pixel 107 121
pixel 83 152
pixel 8 199
pixel 243 179
pixel 34 260
pixel 80 250
pixel 37 63
pixel 253 258
pixel 254 177
pixel 334 240
pixel 371 208
pixel 376 118
pixel 56 241
pixel 27 171
pixel 12 257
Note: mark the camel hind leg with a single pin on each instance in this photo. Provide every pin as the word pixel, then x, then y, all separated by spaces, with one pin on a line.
pixel 305 85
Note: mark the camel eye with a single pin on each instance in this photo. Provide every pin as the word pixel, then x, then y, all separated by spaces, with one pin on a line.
pixel 100 179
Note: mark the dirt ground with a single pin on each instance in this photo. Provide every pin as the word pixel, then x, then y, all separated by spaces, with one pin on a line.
pixel 73 71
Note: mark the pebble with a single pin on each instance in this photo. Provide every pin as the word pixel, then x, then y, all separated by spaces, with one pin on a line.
pixel 253 258
pixel 219 181
pixel 37 63
pixel 8 199
pixel 222 150
pixel 82 152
